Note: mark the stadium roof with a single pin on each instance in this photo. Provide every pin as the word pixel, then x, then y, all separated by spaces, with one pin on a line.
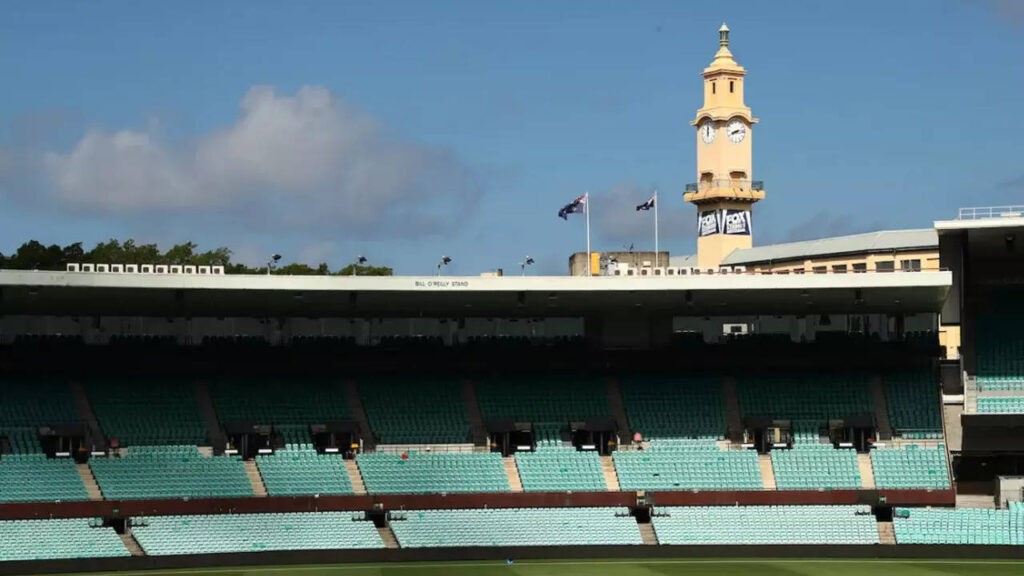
pixel 77 293
pixel 871 242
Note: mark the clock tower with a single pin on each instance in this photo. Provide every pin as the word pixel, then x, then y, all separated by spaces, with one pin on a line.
pixel 724 192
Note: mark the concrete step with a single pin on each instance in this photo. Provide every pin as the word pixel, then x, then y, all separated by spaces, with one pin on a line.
pixel 512 472
pixel 214 432
pixel 131 544
pixel 89 480
pixel 952 427
pixel 975 501
pixel 255 478
pixel 733 420
pixel 388 537
pixel 881 407
pixel 886 534
pixel 647 534
pixel 764 462
pixel 358 486
pixel 611 477
pixel 867 472
pixel 355 403
pixel 84 407
pixel 618 407
pixel 473 415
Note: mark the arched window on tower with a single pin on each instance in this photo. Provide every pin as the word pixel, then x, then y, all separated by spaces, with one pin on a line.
pixel 730 86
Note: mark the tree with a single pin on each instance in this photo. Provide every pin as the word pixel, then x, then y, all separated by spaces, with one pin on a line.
pixel 365 271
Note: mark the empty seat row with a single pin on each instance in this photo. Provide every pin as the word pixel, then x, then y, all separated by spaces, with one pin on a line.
pixel 674 468
pixel 55 539
pixel 675 407
pixel 36 478
pixel 765 525
pixel 952 526
pixel 300 469
pixel 170 472
pixel 815 467
pixel 427 473
pixel 559 470
pixel 910 467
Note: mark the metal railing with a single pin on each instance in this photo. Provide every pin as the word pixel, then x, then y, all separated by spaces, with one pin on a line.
pixel 990 212
pixel 719 183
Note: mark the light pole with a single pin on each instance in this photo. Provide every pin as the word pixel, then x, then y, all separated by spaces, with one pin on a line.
pixel 272 262
pixel 525 263
pixel 360 260
pixel 444 262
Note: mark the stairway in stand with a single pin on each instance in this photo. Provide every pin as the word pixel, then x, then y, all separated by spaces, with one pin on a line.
pixel 611 477
pixel 354 477
pixel 512 472
pixel 131 544
pixel 764 462
pixel 733 420
pixel 867 473
pixel 387 537
pixel 886 535
pixel 647 534
pixel 881 407
pixel 618 406
pixel 92 425
pixel 473 415
pixel 355 404
pixel 255 478
pixel 213 430
pixel 91 487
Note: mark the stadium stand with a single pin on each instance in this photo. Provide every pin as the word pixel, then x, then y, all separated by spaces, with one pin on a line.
pixel 170 472
pixel 999 342
pixel 147 411
pixel 28 403
pixel 415 411
pixel 809 401
pixel 36 478
pixel 687 466
pixel 290 405
pixel 424 473
pixel 57 539
pixel 515 527
pixel 543 399
pixel 226 533
pixel 913 401
pixel 953 526
pixel 1001 405
pixel 677 407
pixel 910 467
pixel 299 469
pixel 815 466
pixel 765 525
pixel 559 470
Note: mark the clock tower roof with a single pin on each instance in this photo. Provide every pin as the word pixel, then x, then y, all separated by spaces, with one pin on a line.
pixel 723 62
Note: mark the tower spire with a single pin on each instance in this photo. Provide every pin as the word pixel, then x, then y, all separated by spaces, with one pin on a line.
pixel 723 35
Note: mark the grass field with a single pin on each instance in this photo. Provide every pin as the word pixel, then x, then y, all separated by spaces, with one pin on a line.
pixel 662 567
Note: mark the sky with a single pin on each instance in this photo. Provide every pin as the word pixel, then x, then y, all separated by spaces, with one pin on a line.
pixel 405 131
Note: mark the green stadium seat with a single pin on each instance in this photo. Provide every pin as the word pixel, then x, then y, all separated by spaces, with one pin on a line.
pixel 910 467
pixel 36 478
pixel 675 407
pixel 427 473
pixel 687 466
pixel 170 472
pixel 914 404
pixel 765 525
pixel 299 469
pixel 147 411
pixel 57 539
pixel 415 411
pixel 559 470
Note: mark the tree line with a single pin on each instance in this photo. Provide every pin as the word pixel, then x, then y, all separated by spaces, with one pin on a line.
pixel 34 255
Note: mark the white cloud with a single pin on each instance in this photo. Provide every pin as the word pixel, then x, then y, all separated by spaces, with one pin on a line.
pixel 287 161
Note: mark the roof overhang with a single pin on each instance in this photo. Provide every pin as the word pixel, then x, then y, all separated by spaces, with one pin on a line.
pixel 72 294
pixel 955 226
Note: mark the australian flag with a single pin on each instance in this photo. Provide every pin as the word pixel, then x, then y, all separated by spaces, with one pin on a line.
pixel 646 205
pixel 577 206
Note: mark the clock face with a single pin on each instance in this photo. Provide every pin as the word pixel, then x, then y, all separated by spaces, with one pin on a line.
pixel 707 131
pixel 737 130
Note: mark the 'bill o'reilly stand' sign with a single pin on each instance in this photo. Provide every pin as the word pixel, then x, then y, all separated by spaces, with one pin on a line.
pixel 441 284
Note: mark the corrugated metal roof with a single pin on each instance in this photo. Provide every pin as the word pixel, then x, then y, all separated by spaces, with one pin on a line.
pixel 688 261
pixel 871 242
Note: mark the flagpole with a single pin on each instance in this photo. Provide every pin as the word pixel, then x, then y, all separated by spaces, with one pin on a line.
pixel 657 255
pixel 586 207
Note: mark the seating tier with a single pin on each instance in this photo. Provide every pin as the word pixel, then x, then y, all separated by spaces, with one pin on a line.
pixel 952 526
pixel 910 467
pixel 170 472
pixel 29 403
pixel 58 539
pixel 288 404
pixel 148 411
pixel 36 478
pixel 539 399
pixel 415 411
pixel 299 469
pixel 688 467
pixel 912 398
pixel 675 407
pixel 427 473
pixel 559 470
pixel 765 525
pixel 227 533
pixel 815 467
pixel 515 527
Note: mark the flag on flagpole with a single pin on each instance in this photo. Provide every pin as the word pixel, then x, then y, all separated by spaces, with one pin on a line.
pixel 577 206
pixel 647 205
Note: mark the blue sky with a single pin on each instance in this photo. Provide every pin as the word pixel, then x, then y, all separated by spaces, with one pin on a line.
pixel 405 131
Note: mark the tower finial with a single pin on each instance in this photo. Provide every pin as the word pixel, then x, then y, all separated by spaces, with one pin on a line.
pixel 723 35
